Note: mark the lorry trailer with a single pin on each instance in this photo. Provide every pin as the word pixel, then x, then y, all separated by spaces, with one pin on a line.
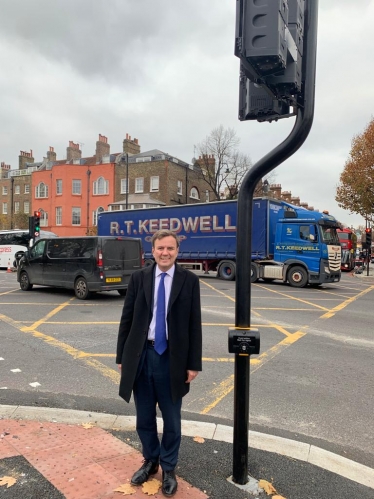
pixel 289 243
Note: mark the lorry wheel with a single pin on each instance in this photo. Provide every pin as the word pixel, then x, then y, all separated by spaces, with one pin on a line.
pixel 81 289
pixel 297 277
pixel 24 282
pixel 254 272
pixel 227 271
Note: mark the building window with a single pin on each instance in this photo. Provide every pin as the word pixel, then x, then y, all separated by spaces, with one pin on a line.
pixel 124 186
pixel 59 186
pixel 155 184
pixel 101 186
pixel 41 190
pixel 5 208
pixel 43 218
pixel 16 207
pixel 27 188
pixel 58 215
pixel 194 193
pixel 17 189
pixel 26 207
pixel 95 214
pixel 76 216
pixel 139 185
pixel 77 187
pixel 5 190
pixel 179 187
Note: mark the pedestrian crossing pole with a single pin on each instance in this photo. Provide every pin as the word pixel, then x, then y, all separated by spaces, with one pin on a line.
pixel 295 63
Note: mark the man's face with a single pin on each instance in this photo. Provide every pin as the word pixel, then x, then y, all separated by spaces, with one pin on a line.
pixel 165 252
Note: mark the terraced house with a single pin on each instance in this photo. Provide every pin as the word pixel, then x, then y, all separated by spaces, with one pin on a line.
pixel 71 192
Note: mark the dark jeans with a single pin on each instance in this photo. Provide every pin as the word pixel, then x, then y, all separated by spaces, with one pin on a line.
pixel 153 387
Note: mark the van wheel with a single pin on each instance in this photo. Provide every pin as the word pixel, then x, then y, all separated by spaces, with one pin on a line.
pixel 81 289
pixel 122 292
pixel 148 263
pixel 297 277
pixel 24 282
pixel 227 271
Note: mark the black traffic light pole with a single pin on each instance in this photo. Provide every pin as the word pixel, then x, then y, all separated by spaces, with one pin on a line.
pixel 265 165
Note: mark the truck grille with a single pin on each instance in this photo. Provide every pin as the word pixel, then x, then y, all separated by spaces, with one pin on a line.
pixel 335 256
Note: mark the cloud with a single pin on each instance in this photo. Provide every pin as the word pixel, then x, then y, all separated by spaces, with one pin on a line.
pixel 166 73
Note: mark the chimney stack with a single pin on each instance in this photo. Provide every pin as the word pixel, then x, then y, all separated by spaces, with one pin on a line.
pixel 51 155
pixel 286 196
pixel 24 158
pixel 276 191
pixel 4 170
pixel 131 146
pixel 102 148
pixel 73 152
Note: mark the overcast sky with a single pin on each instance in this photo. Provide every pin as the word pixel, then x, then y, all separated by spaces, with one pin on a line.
pixel 164 71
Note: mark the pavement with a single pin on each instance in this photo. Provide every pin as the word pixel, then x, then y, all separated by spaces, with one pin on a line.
pixel 49 453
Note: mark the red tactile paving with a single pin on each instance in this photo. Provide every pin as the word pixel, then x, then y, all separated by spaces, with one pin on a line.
pixel 7 450
pixel 73 433
pixel 81 463
pixel 91 482
pixel 57 461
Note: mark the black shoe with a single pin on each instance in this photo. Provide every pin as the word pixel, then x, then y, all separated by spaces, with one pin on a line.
pixel 169 483
pixel 142 475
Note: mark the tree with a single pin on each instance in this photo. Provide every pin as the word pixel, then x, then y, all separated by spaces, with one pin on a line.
pixel 222 166
pixel 21 221
pixel 355 191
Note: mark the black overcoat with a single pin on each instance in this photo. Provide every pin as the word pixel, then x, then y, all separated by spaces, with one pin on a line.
pixel 184 329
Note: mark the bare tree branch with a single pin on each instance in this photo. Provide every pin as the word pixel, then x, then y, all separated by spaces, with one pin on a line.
pixel 222 165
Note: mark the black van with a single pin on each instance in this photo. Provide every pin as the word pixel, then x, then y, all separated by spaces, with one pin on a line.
pixel 85 264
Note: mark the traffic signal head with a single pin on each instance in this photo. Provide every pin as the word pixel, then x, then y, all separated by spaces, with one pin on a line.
pixel 36 223
pixel 368 237
pixel 269 41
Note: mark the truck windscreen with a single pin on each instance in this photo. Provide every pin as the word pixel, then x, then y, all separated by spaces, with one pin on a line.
pixel 329 235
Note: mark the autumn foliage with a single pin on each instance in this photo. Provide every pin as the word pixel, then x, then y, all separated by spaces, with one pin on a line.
pixel 355 191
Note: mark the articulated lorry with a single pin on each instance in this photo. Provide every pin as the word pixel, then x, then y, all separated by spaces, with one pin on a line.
pixel 289 243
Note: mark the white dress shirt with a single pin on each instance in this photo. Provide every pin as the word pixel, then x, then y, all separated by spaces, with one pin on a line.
pixel 168 282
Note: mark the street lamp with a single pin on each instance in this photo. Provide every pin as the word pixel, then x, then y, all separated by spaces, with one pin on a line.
pixel 221 179
pixel 127 180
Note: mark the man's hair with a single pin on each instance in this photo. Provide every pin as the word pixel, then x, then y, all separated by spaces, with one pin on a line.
pixel 160 234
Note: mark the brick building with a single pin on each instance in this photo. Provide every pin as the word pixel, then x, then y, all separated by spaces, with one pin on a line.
pixel 15 192
pixel 71 192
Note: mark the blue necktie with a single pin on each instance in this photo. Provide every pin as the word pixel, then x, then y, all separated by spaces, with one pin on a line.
pixel 160 332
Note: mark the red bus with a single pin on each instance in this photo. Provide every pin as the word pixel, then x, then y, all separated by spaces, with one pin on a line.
pixel 348 241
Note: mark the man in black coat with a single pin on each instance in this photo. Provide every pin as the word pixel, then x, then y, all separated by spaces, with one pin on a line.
pixel 159 353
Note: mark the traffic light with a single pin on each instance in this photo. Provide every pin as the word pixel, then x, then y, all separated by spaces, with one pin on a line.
pixel 36 224
pixel 269 42
pixel 368 238
pixel 256 103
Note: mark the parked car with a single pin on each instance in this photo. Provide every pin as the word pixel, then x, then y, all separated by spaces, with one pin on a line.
pixel 85 264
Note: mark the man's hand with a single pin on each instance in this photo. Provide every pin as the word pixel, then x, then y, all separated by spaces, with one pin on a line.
pixel 119 367
pixel 191 375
